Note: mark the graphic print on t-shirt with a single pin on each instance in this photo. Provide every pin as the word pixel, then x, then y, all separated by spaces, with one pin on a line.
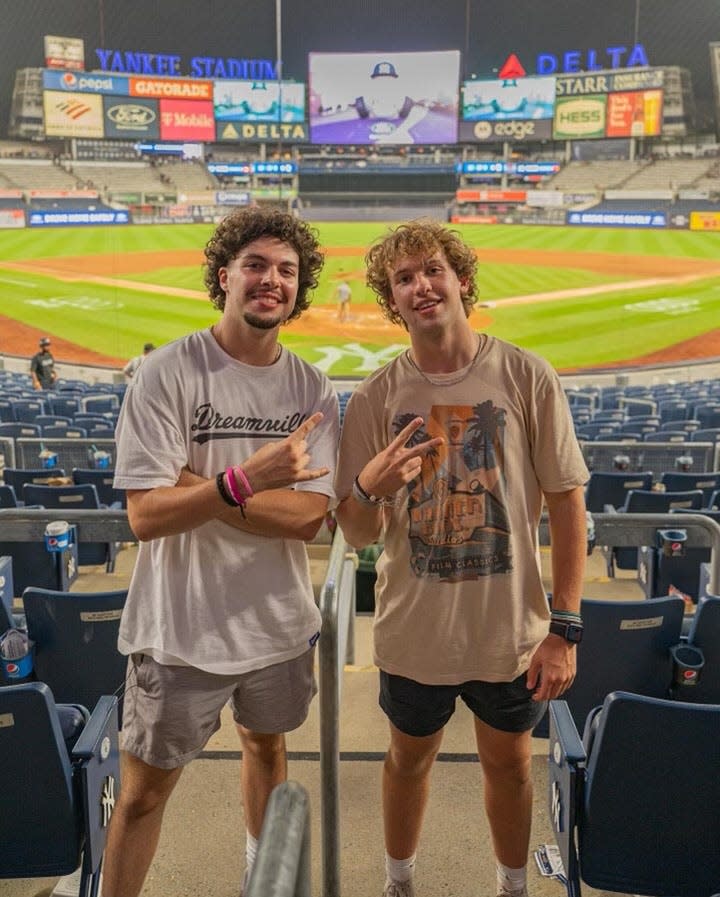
pixel 458 523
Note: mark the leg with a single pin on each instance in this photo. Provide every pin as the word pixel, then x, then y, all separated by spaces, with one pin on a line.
pixel 135 825
pixel 405 789
pixel 264 766
pixel 505 758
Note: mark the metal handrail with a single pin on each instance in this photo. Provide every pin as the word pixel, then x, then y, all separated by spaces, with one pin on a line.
pixel 282 866
pixel 337 605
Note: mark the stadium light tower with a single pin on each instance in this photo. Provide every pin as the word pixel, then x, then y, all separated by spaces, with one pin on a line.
pixel 636 33
pixel 278 70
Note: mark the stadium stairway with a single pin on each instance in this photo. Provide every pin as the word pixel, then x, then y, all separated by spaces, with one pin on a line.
pixel 202 845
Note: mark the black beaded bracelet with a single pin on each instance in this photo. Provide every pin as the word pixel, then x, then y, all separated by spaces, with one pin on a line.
pixel 223 490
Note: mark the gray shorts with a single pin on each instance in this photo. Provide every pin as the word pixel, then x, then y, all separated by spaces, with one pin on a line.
pixel 170 712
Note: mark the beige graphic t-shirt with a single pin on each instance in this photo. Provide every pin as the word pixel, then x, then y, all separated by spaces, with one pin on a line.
pixel 459 593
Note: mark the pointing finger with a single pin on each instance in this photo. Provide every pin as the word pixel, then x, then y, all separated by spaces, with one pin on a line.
pixel 425 447
pixel 405 434
pixel 306 427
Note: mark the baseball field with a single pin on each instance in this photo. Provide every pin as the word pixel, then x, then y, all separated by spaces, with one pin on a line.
pixel 580 297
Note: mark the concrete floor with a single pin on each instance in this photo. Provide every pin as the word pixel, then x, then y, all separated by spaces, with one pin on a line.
pixel 201 849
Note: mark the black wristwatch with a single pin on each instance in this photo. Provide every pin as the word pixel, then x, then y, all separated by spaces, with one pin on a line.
pixel 571 632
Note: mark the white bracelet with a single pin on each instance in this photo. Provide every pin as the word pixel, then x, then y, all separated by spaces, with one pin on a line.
pixel 359 494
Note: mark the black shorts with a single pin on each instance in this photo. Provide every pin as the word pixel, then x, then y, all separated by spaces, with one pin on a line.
pixel 422 710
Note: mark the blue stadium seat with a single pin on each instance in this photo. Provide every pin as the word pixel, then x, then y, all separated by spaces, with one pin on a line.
pixel 704 634
pixel 71 498
pixel 17 430
pixel 54 805
pixel 17 477
pixel 626 645
pixel 75 635
pixel 103 482
pixel 640 501
pixel 645 772
pixel 611 488
pixel 681 481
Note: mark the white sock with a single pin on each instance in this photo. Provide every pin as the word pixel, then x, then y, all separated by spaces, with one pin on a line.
pixel 511 879
pixel 399 870
pixel 251 846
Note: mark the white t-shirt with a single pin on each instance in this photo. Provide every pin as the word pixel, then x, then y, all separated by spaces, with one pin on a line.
pixel 214 597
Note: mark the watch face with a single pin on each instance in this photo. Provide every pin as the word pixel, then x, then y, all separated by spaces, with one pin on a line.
pixel 571 632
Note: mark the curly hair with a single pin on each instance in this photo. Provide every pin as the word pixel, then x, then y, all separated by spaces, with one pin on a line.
pixel 248 224
pixel 421 237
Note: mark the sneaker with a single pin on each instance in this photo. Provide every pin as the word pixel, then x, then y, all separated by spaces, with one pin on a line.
pixel 399 888
pixel 504 892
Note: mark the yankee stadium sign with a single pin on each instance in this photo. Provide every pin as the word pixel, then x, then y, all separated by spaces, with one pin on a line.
pixel 132 62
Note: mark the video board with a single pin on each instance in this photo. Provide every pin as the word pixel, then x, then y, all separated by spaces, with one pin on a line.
pixel 515 98
pixel 244 101
pixel 384 98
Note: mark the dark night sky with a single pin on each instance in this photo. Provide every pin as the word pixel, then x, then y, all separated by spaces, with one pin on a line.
pixel 673 32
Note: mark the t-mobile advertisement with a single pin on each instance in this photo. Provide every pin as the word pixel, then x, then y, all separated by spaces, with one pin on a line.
pixel 186 120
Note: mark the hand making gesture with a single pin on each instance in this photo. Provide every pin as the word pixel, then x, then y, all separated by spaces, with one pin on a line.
pixel 396 465
pixel 284 462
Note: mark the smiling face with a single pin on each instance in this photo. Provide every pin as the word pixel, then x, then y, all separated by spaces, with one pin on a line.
pixel 426 292
pixel 261 283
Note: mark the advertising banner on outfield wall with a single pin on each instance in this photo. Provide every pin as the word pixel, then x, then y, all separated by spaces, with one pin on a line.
pixel 12 218
pixel 186 120
pixel 579 118
pixel 705 221
pixel 128 117
pixel 73 114
pixel 65 217
pixel 501 131
pixel 617 219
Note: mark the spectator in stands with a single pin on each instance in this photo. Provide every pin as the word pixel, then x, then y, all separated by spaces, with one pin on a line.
pixel 447 454
pixel 226 445
pixel 42 366
pixel 343 296
pixel 132 366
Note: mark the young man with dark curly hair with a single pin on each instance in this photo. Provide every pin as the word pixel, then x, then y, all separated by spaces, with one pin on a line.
pixel 226 445
pixel 446 455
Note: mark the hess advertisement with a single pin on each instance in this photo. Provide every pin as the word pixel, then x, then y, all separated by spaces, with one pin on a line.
pixel 580 118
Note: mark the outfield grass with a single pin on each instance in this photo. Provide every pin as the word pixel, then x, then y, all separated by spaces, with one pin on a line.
pixel 580 331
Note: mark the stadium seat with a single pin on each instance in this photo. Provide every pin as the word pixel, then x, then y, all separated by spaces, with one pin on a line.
pixel 640 501
pixel 103 482
pixel 645 772
pixel 71 498
pixel 16 430
pixel 704 634
pixel 63 405
pixel 610 488
pixel 17 477
pixel 75 635
pixel 626 645
pixel 8 497
pixel 45 420
pixel 100 404
pixel 71 432
pixel 55 805
pixel 708 483
pixel 26 410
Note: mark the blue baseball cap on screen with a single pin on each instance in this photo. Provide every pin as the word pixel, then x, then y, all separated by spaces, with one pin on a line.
pixel 386 69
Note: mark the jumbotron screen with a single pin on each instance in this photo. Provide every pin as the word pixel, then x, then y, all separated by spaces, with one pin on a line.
pixel 384 98
pixel 502 100
pixel 259 101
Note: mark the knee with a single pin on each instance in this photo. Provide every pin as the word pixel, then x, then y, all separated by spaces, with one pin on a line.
pixel 137 803
pixel 409 763
pixel 510 767
pixel 262 747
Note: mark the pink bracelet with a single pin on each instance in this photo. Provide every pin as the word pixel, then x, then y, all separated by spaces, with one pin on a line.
pixel 244 482
pixel 233 487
